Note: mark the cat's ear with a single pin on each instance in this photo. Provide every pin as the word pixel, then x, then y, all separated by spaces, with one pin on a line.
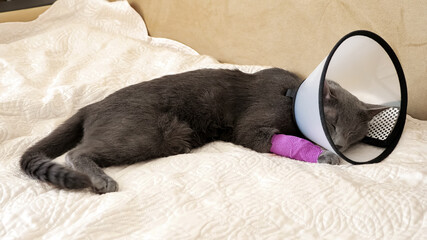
pixel 330 105
pixel 327 93
pixel 373 109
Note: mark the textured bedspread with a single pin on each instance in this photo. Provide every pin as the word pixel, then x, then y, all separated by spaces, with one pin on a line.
pixel 80 51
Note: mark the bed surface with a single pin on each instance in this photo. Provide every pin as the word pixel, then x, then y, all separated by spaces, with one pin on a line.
pixel 78 52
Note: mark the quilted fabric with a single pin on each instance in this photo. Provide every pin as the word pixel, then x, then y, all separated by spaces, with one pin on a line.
pixel 80 51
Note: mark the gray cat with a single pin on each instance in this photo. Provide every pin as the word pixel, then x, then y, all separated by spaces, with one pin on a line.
pixel 176 113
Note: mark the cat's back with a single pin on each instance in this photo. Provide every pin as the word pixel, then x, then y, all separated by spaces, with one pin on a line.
pixel 208 87
pixel 202 80
pixel 192 90
pixel 191 82
pixel 205 79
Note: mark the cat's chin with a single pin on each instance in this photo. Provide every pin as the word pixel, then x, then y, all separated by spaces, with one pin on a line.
pixel 340 148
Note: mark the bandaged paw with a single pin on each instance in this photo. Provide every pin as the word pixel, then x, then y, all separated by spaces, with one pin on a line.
pixel 295 148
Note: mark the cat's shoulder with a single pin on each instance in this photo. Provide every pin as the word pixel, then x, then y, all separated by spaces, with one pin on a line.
pixel 276 72
pixel 279 75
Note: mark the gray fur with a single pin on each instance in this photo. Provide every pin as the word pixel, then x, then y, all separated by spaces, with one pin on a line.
pixel 172 115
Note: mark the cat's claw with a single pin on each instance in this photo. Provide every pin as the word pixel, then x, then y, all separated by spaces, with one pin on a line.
pixel 104 184
pixel 329 157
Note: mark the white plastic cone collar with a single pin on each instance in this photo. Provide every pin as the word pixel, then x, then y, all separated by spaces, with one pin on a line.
pixel 366 66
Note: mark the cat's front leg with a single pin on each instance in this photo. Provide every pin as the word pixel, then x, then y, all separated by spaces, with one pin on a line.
pixel 257 139
pixel 329 157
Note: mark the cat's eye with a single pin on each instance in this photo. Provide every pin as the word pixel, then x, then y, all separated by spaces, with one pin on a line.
pixel 350 134
pixel 332 126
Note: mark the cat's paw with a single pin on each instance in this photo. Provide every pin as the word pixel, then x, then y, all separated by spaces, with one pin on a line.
pixel 104 184
pixel 329 157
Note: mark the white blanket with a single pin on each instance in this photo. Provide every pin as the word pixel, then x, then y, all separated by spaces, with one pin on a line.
pixel 80 51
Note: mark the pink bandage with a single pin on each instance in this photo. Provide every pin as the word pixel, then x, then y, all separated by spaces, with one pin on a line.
pixel 295 147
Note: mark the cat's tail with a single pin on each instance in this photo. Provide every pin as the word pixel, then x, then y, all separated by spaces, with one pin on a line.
pixel 37 160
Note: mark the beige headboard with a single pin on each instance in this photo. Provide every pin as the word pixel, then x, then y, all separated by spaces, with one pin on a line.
pixel 295 35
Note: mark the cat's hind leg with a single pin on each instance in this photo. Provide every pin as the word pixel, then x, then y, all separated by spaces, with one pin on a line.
pixel 82 160
pixel 165 136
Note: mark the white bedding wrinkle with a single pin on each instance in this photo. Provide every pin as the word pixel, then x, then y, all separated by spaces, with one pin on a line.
pixel 78 52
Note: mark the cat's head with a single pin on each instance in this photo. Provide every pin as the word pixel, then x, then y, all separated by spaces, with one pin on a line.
pixel 346 116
